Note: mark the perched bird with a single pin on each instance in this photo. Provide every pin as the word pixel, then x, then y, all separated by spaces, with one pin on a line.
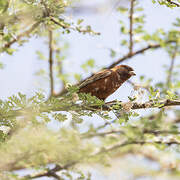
pixel 106 82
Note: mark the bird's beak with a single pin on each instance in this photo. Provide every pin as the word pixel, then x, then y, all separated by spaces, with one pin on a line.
pixel 132 73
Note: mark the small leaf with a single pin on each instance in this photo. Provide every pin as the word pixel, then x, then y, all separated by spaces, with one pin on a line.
pixel 79 21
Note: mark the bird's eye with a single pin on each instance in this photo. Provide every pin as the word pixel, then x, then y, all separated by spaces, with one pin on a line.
pixel 129 68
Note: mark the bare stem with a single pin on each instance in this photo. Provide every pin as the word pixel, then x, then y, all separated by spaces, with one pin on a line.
pixel 51 62
pixel 131 27
pixel 25 33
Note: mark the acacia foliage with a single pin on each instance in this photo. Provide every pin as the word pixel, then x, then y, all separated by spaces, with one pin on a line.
pixel 27 143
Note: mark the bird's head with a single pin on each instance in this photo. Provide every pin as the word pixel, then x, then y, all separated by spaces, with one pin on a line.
pixel 124 71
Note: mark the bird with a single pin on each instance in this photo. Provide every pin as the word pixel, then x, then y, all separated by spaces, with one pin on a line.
pixel 104 83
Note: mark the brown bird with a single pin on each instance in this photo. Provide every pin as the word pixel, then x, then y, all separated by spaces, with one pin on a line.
pixel 106 82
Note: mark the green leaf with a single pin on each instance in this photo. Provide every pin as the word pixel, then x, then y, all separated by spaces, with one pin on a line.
pixel 91 63
pixel 10 51
pixel 41 55
pixel 123 10
pixel 78 77
pixel 1 65
pixel 76 118
pixel 132 98
pixel 80 21
pixel 60 117
pixel 113 53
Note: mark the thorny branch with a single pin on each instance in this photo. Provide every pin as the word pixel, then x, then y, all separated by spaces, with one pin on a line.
pixel 51 62
pixel 131 27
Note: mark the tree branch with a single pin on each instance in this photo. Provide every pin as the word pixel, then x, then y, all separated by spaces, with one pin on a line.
pixel 171 2
pixel 122 106
pixel 140 51
pixel 52 172
pixel 131 27
pixel 144 131
pixel 25 33
pixel 101 134
pixel 146 105
pixel 67 26
pixel 47 173
pixel 117 146
pixel 51 63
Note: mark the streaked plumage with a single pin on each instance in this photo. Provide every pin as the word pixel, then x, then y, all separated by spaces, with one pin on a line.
pixel 106 82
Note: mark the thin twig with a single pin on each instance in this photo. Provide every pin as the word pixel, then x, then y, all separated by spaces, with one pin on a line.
pixel 140 51
pixel 101 134
pixel 131 27
pixel 51 62
pixel 174 3
pixel 117 146
pixel 52 172
pixel 75 28
pixel 121 132
pixel 48 173
pixel 172 65
pixel 25 33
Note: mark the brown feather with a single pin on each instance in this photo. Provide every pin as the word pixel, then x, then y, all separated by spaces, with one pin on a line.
pixel 106 82
pixel 96 77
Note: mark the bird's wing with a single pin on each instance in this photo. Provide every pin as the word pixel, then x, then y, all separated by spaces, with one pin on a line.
pixel 95 77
